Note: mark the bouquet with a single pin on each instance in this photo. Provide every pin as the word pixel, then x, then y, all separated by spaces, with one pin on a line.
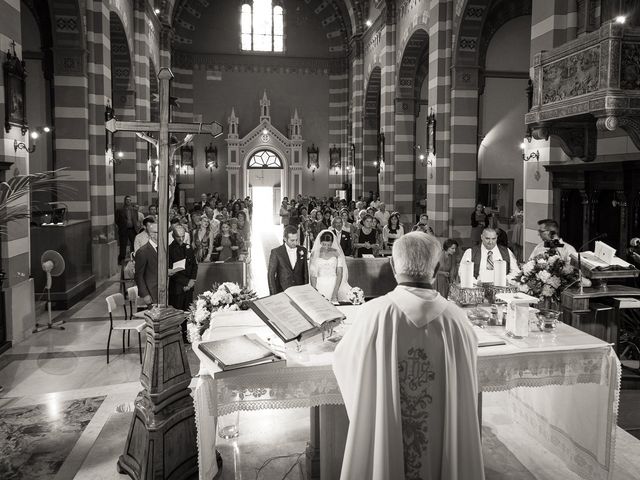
pixel 545 276
pixel 225 297
pixel 356 296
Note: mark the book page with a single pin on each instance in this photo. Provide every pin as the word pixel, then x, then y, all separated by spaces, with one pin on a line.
pixel 237 351
pixel 280 311
pixel 313 304
pixel 180 264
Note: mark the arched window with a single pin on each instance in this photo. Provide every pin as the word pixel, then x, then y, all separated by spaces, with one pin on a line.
pixel 262 27
pixel 265 159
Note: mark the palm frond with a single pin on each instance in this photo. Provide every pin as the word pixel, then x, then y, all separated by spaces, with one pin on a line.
pixel 20 186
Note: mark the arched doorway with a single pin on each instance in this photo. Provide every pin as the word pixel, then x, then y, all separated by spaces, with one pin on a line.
pixel 265 184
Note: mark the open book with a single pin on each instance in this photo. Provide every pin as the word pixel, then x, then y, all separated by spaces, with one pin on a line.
pixel 602 258
pixel 239 352
pixel 296 313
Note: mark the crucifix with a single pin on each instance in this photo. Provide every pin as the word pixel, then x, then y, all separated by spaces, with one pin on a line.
pixel 162 437
pixel 166 176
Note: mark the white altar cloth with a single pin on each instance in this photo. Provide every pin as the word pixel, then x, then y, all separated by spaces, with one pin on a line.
pixel 563 386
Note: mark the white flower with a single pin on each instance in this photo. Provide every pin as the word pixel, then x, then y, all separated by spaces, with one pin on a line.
pixel 542 261
pixel 567 269
pixel 193 332
pixel 201 315
pixel 201 304
pixel 231 287
pixel 547 291
pixel 543 276
pixel 553 259
pixel 554 281
pixel 523 287
pixel 527 268
pixel 234 307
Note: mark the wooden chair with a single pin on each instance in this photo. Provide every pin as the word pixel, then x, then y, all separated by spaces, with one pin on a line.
pixel 113 302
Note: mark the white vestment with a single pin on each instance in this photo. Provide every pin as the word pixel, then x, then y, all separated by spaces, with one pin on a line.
pixel 407 372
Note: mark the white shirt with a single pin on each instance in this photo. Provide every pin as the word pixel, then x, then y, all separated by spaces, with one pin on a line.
pixel 153 244
pixel 564 252
pixel 292 255
pixel 383 217
pixel 485 275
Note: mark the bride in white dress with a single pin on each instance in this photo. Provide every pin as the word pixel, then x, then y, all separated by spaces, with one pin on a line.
pixel 328 268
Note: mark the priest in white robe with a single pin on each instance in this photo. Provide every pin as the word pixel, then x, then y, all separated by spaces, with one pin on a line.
pixel 407 372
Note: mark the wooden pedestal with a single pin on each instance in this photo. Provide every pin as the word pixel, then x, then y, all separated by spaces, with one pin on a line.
pixel 162 438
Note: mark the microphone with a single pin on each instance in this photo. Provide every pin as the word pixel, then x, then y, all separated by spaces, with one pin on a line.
pixel 597 237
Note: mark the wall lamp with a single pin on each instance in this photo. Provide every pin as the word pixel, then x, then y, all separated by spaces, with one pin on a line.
pixel 35 134
pixel 211 157
pixel 313 161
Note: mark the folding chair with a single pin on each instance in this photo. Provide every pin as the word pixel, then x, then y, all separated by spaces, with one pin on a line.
pixel 113 302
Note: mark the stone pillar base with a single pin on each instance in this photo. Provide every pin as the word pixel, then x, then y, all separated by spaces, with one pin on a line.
pixel 20 310
pixel 105 259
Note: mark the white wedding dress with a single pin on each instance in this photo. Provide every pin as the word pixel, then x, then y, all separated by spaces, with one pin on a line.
pixel 327 273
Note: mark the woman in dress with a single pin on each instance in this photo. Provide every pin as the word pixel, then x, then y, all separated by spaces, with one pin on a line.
pixel 392 231
pixel 516 231
pixel 479 221
pixel 347 223
pixel 183 213
pixel 328 268
pixel 367 240
pixel 227 244
pixel 203 240
pixel 235 209
pixel 448 270
pixel 284 212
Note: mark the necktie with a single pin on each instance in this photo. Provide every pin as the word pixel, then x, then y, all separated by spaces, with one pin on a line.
pixel 489 260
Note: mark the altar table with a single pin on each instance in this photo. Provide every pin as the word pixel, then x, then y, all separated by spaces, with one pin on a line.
pixel 563 386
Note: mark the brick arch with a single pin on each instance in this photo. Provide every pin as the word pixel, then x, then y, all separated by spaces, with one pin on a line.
pixel 121 65
pixel 414 52
pixel 477 22
pixel 372 93
pixel 328 11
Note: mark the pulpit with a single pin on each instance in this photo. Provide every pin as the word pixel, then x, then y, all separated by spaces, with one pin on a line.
pixel 72 241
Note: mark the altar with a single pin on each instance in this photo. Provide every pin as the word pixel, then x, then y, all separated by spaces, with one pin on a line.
pixel 555 382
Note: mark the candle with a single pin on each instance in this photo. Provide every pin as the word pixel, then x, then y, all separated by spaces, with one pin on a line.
pixel 466 274
pixel 500 273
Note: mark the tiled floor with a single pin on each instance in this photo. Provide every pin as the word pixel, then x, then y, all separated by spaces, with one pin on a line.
pixel 56 372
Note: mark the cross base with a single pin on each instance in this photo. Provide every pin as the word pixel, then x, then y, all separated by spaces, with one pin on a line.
pixel 161 443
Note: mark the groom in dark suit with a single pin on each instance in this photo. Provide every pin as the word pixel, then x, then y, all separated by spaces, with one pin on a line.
pixel 287 263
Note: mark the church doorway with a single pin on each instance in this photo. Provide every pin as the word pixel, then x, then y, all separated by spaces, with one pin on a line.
pixel 266 187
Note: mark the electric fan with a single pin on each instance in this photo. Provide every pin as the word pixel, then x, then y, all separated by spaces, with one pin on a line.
pixel 53 265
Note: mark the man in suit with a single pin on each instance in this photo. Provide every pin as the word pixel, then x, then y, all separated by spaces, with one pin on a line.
pixel 344 238
pixel 146 275
pixel 204 201
pixel 287 263
pixel 128 226
pixel 484 255
pixel 181 282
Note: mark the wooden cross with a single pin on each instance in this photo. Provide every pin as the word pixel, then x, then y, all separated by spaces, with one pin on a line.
pixel 164 126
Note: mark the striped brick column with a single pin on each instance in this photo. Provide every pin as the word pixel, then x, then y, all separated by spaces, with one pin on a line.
pixel 182 88
pixel 100 170
pixel 404 160
pixel 387 113
pixel 125 170
pixel 463 174
pixel 553 23
pixel 338 113
pixel 357 109
pixel 18 287
pixel 370 151
pixel 440 20
pixel 143 103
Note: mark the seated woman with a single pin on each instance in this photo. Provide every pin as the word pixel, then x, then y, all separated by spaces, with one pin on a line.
pixel 203 240
pixel 328 268
pixel 392 231
pixel 226 244
pixel 367 240
pixel 423 225
pixel 448 270
pixel 347 222
pixel 244 227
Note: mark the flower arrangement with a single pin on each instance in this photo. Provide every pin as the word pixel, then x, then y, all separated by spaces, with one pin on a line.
pixel 545 276
pixel 225 297
pixel 356 296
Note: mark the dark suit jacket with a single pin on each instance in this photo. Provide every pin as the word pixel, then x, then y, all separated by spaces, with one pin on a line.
pixel 121 219
pixel 146 275
pixel 344 239
pixel 179 280
pixel 280 274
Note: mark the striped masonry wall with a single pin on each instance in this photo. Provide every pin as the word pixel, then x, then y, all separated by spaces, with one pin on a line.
pixel 370 151
pixel 387 116
pixel 439 91
pixel 15 244
pixel 125 171
pixel 143 103
pixel 338 118
pixel 182 88
pixel 404 160
pixel 553 23
pixel 357 105
pixel 100 170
